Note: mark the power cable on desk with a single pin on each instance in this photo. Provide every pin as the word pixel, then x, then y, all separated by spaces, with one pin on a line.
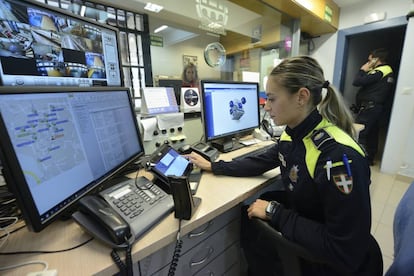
pixel 13 221
pixel 46 251
pixel 45 265
pixel 4 238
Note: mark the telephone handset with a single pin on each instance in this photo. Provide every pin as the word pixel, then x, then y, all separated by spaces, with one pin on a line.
pixel 108 225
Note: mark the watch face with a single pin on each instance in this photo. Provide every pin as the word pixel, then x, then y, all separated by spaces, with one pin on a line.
pixel 270 209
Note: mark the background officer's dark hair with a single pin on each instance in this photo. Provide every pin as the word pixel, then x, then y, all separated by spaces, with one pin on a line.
pixel 380 53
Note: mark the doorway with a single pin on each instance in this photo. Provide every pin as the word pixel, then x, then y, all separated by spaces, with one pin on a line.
pixel 353 47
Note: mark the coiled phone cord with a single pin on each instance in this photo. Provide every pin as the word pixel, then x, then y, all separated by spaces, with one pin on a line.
pixel 118 261
pixel 177 251
pixel 124 269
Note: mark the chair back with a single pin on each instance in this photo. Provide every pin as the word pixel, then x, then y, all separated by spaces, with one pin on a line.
pixel 403 229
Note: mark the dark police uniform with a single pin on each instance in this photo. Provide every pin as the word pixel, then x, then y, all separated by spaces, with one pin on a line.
pixel 374 100
pixel 326 206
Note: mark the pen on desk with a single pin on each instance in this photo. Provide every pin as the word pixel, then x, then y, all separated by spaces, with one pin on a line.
pixel 328 168
pixel 346 164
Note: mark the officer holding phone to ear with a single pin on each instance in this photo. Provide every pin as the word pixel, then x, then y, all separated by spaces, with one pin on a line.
pixel 374 98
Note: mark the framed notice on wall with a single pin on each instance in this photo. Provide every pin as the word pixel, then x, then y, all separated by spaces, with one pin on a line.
pixel 189 59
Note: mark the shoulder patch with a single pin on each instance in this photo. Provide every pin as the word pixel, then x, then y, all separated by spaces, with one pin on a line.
pixel 319 137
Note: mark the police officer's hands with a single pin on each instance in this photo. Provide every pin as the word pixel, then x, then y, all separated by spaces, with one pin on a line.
pixel 199 161
pixel 258 209
pixel 366 66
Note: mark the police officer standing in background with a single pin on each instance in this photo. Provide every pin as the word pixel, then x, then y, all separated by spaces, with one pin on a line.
pixel 374 99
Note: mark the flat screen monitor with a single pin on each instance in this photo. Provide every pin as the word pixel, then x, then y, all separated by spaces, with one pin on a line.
pixel 42 46
pixel 229 110
pixel 58 144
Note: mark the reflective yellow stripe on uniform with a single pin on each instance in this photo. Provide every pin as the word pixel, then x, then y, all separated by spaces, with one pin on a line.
pixel 385 69
pixel 312 151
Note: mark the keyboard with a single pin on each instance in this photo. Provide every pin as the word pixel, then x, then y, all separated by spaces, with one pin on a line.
pixel 255 152
pixel 140 202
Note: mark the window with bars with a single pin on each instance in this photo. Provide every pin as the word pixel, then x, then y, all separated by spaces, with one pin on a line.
pixel 134 38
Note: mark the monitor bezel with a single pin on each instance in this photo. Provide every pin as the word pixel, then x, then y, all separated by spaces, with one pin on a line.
pixel 13 173
pixel 47 80
pixel 232 134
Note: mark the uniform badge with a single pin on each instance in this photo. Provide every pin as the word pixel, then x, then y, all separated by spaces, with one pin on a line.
pixel 343 182
pixel 293 174
pixel 282 159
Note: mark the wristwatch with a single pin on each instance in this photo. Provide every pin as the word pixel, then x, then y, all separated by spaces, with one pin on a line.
pixel 271 209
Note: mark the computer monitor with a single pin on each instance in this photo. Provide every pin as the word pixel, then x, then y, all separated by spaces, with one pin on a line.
pixel 58 144
pixel 158 100
pixel 230 110
pixel 43 45
pixel 176 84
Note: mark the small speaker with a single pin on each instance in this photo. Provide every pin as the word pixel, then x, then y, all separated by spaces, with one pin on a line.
pixel 190 99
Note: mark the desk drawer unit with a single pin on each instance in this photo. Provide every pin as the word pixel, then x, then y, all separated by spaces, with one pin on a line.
pixel 209 251
pixel 227 263
pixel 162 258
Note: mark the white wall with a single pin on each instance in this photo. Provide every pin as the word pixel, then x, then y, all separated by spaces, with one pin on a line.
pixel 399 148
pixel 395 152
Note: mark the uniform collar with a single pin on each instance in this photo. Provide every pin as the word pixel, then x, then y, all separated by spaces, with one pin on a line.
pixel 306 126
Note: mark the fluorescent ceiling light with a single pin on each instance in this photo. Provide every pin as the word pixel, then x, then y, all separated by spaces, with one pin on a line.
pixel 160 28
pixel 215 25
pixel 307 4
pixel 83 10
pixel 153 7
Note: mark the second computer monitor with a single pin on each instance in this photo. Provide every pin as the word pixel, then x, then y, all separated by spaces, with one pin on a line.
pixel 229 109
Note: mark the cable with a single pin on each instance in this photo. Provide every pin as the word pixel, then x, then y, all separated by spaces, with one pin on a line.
pixel 177 251
pixel 46 251
pixel 125 269
pixel 128 260
pixel 45 264
pixel 118 262
pixel 5 229
pixel 14 230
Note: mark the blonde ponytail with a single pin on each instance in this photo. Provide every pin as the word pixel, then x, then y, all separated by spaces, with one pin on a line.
pixel 333 108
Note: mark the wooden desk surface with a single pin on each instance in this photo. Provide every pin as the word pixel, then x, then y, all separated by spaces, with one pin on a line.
pixel 218 194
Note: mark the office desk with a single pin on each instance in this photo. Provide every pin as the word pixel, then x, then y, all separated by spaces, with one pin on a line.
pixel 218 194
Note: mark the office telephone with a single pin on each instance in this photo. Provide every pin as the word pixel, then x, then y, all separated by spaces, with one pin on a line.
pixel 121 214
pixel 103 214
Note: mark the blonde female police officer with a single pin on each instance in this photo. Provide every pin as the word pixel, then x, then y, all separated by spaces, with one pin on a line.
pixel 326 204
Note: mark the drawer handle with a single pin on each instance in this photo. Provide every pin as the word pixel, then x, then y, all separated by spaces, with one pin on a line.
pixel 203 260
pixel 202 232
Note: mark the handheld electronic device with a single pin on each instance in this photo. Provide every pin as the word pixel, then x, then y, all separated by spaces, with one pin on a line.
pixel 166 162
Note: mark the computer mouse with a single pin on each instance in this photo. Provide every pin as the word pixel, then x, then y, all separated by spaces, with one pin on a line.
pixel 186 149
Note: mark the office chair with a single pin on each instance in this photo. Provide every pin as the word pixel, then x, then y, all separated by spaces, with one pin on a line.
pixel 403 263
pixel 293 254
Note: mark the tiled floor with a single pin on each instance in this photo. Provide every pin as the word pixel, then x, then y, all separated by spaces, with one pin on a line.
pixel 386 192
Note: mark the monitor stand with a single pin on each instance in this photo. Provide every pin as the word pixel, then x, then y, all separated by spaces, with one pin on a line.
pixel 227 145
